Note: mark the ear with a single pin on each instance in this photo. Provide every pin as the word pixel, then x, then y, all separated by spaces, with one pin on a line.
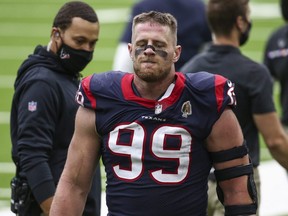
pixel 240 23
pixel 130 50
pixel 177 53
pixel 55 40
pixel 55 34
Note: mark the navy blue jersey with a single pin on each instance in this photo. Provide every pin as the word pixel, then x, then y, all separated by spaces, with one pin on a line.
pixel 153 150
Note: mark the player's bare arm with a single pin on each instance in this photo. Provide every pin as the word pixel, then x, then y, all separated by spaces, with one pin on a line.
pixel 233 169
pixel 83 157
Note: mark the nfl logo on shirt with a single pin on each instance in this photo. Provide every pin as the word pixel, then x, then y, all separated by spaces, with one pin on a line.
pixel 32 106
pixel 158 108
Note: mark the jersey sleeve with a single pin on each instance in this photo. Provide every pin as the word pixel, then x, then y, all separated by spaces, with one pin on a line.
pixel 95 87
pixel 224 93
pixel 215 91
pixel 84 96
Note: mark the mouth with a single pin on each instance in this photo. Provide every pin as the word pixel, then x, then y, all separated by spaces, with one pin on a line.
pixel 148 61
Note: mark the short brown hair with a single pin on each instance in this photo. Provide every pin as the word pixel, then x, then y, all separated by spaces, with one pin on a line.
pixel 222 14
pixel 165 19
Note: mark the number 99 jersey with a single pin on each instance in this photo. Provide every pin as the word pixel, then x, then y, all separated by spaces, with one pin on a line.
pixel 153 150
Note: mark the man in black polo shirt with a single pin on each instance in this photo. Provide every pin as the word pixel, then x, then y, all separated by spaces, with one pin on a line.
pixel 255 108
pixel 276 59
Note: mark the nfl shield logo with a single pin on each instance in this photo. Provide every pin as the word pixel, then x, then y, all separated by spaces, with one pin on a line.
pixel 32 106
pixel 158 108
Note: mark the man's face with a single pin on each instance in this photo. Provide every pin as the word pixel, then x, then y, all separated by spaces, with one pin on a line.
pixel 81 35
pixel 153 51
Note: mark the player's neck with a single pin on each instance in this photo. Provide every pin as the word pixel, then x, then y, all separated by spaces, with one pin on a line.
pixel 152 91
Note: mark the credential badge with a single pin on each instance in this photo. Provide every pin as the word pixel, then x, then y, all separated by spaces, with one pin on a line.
pixel 186 109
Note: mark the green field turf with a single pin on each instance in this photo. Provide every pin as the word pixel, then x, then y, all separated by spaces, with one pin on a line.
pixel 24 24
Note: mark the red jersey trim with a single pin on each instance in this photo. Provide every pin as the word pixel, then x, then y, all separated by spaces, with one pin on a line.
pixel 86 82
pixel 128 93
pixel 219 91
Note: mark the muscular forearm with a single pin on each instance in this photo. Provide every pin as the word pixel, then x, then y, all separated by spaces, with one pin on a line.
pixel 83 157
pixel 69 200
pixel 232 166
pixel 279 151
pixel 274 136
pixel 236 195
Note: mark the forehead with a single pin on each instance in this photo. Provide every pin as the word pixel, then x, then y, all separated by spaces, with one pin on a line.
pixel 151 31
pixel 83 27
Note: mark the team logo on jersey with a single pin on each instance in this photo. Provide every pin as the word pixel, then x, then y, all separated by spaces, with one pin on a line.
pixel 79 98
pixel 64 55
pixel 186 109
pixel 158 108
pixel 231 93
pixel 32 106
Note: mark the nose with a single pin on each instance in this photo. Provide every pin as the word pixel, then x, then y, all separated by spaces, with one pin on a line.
pixel 149 46
pixel 87 47
pixel 149 49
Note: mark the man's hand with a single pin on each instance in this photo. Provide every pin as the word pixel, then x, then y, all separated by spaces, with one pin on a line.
pixel 45 206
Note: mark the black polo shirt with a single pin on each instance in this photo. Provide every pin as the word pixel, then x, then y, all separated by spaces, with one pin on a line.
pixel 253 87
pixel 276 59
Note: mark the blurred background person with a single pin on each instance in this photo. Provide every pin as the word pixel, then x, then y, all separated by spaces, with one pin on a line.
pixel 230 24
pixel 276 59
pixel 193 30
pixel 43 111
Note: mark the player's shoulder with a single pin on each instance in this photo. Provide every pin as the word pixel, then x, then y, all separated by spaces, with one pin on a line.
pixel 104 80
pixel 203 79
pixel 104 77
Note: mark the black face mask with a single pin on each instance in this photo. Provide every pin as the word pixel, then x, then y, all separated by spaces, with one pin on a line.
pixel 245 35
pixel 74 60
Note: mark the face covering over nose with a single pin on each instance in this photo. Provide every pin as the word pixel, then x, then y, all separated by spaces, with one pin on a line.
pixel 245 35
pixel 74 60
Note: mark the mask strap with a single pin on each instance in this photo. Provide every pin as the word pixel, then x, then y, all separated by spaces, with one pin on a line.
pixel 49 46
